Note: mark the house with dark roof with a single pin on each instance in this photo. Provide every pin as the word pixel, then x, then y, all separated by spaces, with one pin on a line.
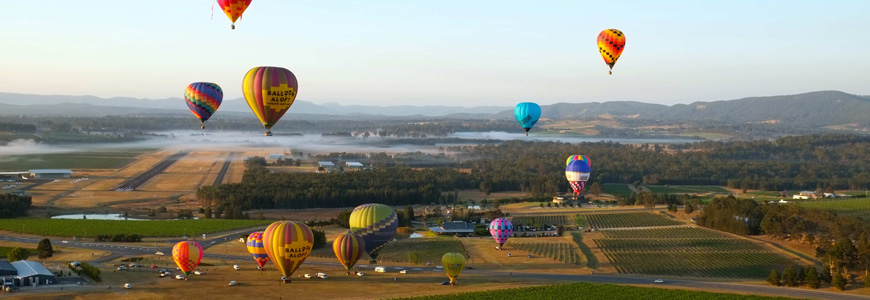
pixel 26 273
pixel 454 227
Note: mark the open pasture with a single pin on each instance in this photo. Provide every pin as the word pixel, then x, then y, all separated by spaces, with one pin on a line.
pixel 686 189
pixel 616 189
pixel 157 228
pixel 73 160
pixel 621 220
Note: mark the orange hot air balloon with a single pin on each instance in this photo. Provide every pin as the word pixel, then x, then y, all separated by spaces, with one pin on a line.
pixel 288 244
pixel 611 42
pixel 269 91
pixel 234 9
pixel 187 255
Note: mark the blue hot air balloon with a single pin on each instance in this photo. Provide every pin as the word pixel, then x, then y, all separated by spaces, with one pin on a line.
pixel 577 172
pixel 527 114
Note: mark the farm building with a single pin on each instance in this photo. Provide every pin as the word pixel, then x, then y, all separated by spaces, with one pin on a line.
pixel 50 173
pixel 13 175
pixel 27 272
pixel 326 164
pixel 454 227
pixel 354 165
pixel 559 199
pixel 275 156
pixel 6 269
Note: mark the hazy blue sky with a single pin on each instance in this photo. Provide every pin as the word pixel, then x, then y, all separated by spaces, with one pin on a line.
pixel 462 52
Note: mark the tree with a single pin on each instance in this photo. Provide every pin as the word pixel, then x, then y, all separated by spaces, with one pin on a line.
pixel 838 281
pixel 44 249
pixel 409 213
pixel 496 204
pixel 825 275
pixel 485 186
pixel 207 213
pixel 689 208
pixel 595 189
pixel 649 200
pixel 319 239
pixel 773 278
pixel 344 218
pixel 789 277
pixel 866 281
pixel 812 276
pixel 413 257
pixel 16 254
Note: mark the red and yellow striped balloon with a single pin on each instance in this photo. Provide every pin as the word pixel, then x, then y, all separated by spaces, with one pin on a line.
pixel 187 255
pixel 348 248
pixel 255 248
pixel 288 244
pixel 234 9
pixel 270 91
pixel 611 42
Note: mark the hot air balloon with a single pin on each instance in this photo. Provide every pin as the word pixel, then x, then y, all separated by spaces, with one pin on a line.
pixel 453 264
pixel 288 244
pixel 269 91
pixel 187 255
pixel 578 157
pixel 256 248
pixel 527 114
pixel 577 173
pixel 611 42
pixel 348 248
pixel 234 9
pixel 501 229
pixel 203 99
pixel 376 224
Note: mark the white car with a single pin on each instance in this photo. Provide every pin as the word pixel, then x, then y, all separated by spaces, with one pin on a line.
pixel 236 267
pixel 122 268
pixel 179 277
pixel 158 253
pixel 359 274
pixel 197 272
pixel 307 275
pixel 65 242
pixel 404 271
pixel 232 283
pixel 126 285
pixel 658 281
pixel 439 267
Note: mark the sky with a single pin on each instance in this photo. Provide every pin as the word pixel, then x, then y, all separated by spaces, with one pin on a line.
pixel 459 53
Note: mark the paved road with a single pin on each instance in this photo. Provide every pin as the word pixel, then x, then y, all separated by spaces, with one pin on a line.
pixel 121 251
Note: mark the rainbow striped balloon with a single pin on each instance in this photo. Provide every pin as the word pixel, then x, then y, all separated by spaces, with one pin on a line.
pixel 501 229
pixel 348 248
pixel 255 247
pixel 578 157
pixel 187 255
pixel 270 91
pixel 288 244
pixel 203 99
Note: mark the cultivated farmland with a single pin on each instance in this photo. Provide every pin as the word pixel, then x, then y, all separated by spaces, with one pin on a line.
pixel 617 189
pixel 559 251
pixel 686 189
pixel 687 252
pixel 619 220
pixel 540 220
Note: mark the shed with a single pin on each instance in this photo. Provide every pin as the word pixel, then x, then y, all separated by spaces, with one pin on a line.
pixel 6 269
pixel 33 273
pixel 50 173
pixel 354 165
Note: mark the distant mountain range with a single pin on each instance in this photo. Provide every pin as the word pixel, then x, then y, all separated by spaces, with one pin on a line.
pixel 821 108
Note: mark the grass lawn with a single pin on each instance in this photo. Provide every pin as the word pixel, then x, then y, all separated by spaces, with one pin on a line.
pixel 617 189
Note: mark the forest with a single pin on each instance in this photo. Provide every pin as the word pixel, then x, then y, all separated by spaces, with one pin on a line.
pixel 13 205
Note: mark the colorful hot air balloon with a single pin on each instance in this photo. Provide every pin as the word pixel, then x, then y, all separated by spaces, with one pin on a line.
pixel 578 157
pixel 256 248
pixel 501 229
pixel 288 243
pixel 527 114
pixel 611 42
pixel 453 264
pixel 376 224
pixel 577 173
pixel 203 99
pixel 234 9
pixel 270 91
pixel 187 255
pixel 348 248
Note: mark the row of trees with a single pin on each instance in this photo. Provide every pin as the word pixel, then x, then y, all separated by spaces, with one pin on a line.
pixel 118 238
pixel 12 206
pixel 809 276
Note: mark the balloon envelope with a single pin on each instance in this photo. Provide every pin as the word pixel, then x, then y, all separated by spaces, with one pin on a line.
pixel 269 91
pixel 348 249
pixel 203 99
pixel 577 172
pixel 256 248
pixel 376 224
pixel 578 157
pixel 611 42
pixel 453 264
pixel 501 229
pixel 234 9
pixel 527 114
pixel 187 256
pixel 288 244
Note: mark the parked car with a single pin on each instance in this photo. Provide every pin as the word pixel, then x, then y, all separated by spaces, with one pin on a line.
pixel 232 283
pixel 236 267
pixel 359 274
pixel 158 253
pixel 322 275
pixel 126 285
pixel 153 266
pixel 197 272
pixel 122 268
pixel 307 276
pixel 380 269
pixel 445 282
pixel 658 281
pixel 439 267
pixel 404 271
pixel 179 277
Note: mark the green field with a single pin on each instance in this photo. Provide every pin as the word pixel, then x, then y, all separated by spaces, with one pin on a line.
pixel 549 220
pixel 858 207
pixel 73 160
pixel 619 220
pixel 617 189
pixel 686 189
pixel 428 249
pixel 687 252
pixel 559 251
pixel 90 228
pixel 591 260
pixel 584 290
